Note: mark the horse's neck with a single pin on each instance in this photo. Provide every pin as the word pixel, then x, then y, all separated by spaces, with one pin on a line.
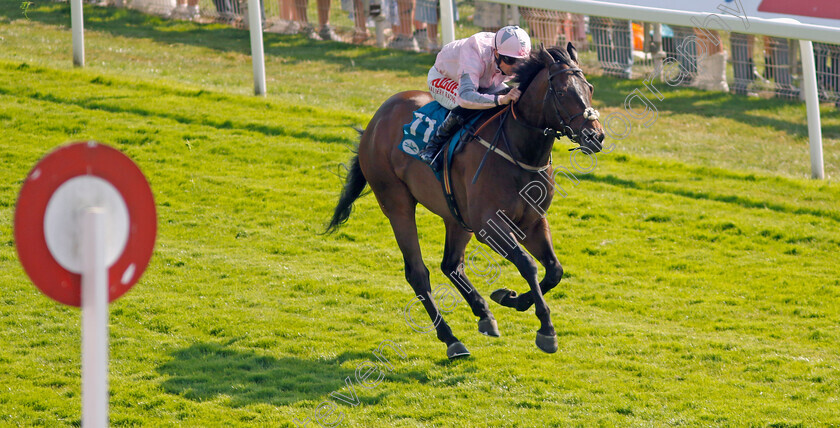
pixel 532 145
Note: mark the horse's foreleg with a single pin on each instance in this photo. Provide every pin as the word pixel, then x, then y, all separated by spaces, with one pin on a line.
pixel 538 243
pixel 546 337
pixel 453 267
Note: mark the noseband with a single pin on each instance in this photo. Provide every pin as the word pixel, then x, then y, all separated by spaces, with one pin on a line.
pixel 590 114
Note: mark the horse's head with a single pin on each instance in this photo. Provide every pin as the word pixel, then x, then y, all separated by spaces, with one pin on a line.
pixel 567 101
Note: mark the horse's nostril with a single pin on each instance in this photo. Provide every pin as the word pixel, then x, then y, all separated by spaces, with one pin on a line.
pixel 592 137
pixel 591 140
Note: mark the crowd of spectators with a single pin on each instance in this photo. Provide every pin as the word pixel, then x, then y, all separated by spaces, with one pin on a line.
pixel 617 43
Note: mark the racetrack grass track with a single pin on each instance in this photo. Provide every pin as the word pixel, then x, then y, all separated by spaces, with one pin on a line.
pixel 701 284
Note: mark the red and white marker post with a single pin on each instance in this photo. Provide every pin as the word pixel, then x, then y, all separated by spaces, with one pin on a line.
pixel 85 228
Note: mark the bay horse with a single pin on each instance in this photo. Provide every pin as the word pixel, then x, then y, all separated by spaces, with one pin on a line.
pixel 556 100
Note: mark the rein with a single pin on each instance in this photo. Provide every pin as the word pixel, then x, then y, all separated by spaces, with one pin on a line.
pixel 491 146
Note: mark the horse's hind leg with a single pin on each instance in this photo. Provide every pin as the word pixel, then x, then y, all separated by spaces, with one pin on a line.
pixel 453 267
pixel 537 242
pixel 399 207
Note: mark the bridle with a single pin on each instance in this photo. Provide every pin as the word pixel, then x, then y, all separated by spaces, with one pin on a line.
pixel 590 114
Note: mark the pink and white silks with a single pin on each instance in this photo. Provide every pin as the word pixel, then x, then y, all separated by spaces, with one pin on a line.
pixel 465 74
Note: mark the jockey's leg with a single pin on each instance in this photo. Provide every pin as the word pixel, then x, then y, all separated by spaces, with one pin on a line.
pixel 453 121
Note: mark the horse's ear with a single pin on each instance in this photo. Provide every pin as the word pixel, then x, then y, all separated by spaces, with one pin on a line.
pixel 570 48
pixel 545 56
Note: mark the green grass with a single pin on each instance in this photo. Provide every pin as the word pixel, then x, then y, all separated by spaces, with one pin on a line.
pixel 702 280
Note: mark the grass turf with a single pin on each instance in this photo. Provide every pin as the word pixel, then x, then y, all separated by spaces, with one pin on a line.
pixel 701 287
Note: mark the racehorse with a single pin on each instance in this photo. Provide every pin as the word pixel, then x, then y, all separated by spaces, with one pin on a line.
pixel 556 101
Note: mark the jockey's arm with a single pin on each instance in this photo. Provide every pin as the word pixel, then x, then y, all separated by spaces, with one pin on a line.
pixel 469 96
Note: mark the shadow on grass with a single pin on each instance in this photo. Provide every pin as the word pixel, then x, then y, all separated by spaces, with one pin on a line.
pixel 205 371
pixel 292 48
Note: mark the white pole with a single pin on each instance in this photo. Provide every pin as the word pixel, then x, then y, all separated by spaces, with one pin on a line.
pixel 379 25
pixel 812 103
pixel 257 54
pixel 447 22
pixel 78 28
pixel 94 320
pixel 373 8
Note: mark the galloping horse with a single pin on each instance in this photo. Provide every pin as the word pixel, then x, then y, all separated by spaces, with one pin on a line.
pixel 556 100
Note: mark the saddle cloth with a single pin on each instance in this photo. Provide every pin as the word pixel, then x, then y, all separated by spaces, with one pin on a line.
pixel 425 122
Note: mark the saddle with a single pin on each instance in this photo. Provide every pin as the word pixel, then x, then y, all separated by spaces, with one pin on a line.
pixel 420 130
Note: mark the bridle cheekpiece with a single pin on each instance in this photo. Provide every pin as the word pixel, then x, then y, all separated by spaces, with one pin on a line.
pixel 589 114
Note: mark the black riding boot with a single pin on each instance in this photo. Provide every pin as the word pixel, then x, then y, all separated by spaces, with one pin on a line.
pixel 451 124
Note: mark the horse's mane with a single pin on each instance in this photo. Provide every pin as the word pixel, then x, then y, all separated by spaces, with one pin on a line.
pixel 527 70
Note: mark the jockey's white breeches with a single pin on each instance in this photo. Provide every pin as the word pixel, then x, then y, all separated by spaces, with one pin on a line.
pixel 443 89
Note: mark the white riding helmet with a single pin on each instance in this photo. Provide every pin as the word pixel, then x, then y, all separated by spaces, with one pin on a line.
pixel 512 41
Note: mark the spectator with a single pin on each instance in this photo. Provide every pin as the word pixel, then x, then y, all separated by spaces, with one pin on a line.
pixel 711 61
pixel 426 24
pixel 295 10
pixel 425 32
pixel 186 10
pixel 578 31
pixel 289 13
pixel 613 39
pixel 326 31
pixel 554 28
pixel 359 12
pixel 545 24
pixel 401 20
pixel 491 16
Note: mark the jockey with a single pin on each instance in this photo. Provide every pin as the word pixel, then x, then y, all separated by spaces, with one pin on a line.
pixel 469 74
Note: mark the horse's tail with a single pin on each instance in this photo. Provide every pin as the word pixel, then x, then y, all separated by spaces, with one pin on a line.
pixel 354 184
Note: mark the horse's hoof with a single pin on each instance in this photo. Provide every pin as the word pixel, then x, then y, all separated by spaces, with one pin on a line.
pixel 489 327
pixel 547 344
pixel 509 299
pixel 457 350
pixel 503 297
